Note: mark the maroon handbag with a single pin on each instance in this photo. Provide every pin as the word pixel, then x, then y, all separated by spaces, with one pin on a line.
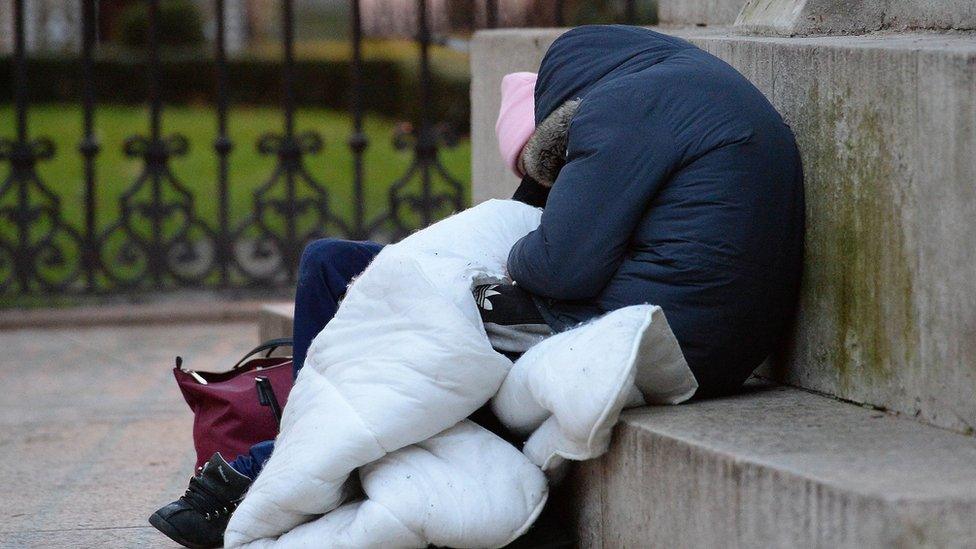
pixel 236 409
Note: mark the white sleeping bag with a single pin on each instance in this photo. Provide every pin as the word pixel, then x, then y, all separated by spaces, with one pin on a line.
pixel 388 383
pixel 405 358
pixel 464 487
pixel 566 393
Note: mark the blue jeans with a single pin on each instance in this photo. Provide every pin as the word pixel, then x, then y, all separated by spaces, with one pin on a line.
pixel 326 269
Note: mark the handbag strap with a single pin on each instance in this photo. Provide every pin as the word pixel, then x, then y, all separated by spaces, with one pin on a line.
pixel 269 345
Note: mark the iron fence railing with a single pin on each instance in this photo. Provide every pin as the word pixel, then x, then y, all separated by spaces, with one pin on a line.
pixel 156 239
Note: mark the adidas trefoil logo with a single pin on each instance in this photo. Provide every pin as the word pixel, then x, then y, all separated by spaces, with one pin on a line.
pixel 484 293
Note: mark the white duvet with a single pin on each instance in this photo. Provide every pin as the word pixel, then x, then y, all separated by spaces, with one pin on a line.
pixel 375 450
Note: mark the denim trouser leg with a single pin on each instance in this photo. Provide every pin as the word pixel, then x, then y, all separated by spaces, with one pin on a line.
pixel 250 464
pixel 326 269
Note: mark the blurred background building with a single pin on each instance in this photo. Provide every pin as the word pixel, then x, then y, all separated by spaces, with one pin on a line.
pixel 53 25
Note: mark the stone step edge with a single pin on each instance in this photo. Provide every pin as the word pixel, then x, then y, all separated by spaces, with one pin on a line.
pixel 775 467
pixel 182 310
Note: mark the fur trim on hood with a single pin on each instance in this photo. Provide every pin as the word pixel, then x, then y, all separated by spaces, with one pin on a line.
pixel 545 153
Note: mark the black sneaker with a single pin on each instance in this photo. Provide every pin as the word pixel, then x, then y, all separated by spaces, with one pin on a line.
pixel 199 518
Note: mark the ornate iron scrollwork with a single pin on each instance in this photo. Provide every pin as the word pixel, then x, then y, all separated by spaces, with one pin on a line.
pixel 290 208
pixel 158 235
pixel 44 255
pixel 411 208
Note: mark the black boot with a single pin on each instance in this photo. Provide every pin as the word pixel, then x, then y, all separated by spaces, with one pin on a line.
pixel 199 518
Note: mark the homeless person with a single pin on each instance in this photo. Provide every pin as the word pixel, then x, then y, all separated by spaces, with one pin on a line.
pixel 665 178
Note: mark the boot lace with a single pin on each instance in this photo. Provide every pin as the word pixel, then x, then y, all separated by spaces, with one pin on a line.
pixel 205 501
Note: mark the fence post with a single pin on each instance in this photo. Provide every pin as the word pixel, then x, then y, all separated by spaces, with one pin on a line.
pixel 358 140
pixel 156 150
pixel 20 72
pixel 491 12
pixel 42 236
pixel 222 146
pixel 426 145
pixel 289 147
pixel 21 159
pixel 89 146
pixel 630 12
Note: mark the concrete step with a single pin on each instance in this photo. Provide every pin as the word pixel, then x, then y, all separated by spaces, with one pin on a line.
pixel 886 124
pixel 777 467
pixel 274 320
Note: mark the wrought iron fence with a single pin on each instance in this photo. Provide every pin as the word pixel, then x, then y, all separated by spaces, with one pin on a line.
pixel 156 238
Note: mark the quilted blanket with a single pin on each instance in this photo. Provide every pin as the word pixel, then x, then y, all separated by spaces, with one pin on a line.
pixel 374 448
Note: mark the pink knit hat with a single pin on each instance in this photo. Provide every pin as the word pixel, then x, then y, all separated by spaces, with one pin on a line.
pixel 516 117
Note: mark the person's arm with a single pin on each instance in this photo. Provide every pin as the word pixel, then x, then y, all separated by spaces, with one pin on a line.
pixel 613 171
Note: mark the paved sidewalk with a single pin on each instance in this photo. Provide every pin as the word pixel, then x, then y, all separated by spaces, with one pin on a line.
pixel 94 434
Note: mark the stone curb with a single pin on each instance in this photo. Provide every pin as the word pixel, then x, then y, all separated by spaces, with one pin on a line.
pixel 132 314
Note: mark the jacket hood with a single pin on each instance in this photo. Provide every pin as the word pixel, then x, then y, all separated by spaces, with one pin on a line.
pixel 545 152
pixel 587 55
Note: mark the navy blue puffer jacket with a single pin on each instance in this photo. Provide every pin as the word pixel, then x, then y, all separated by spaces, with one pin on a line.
pixel 682 187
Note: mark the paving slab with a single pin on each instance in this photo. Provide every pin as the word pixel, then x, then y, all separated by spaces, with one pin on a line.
pixel 94 434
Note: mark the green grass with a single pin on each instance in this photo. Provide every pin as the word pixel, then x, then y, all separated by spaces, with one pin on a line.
pixel 197 170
